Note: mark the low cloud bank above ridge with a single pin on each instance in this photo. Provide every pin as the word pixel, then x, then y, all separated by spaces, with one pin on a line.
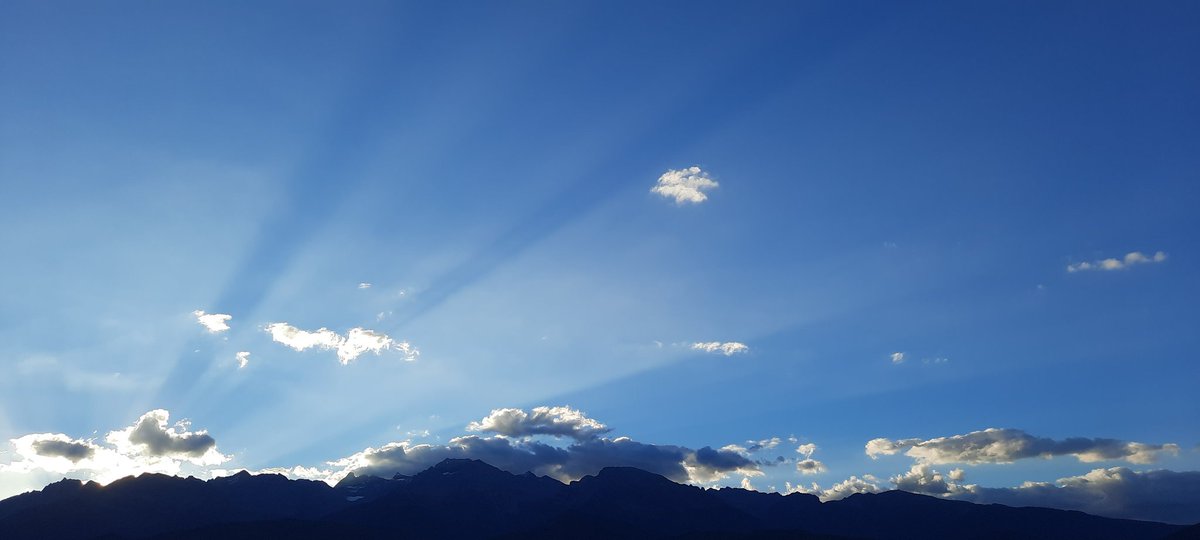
pixel 566 444
pixel 513 447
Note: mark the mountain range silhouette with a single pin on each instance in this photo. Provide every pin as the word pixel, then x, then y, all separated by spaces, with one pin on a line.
pixel 460 498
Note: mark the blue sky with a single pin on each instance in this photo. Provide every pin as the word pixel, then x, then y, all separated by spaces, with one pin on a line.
pixel 891 178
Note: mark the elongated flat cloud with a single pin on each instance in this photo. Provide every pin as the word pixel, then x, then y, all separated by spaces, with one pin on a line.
pixel 214 322
pixel 556 421
pixel 355 343
pixel 728 348
pixel 994 445
pixel 149 445
pixel 1130 259
pixel 684 185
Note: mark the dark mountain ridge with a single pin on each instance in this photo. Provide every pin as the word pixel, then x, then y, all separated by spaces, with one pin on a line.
pixel 471 499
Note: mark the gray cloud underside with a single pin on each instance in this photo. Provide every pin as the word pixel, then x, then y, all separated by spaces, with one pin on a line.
pixel 74 451
pixel 162 442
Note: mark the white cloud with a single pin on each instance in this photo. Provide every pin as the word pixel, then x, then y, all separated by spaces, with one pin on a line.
pixel 684 185
pixel 243 359
pixel 349 347
pixel 810 466
pixel 556 421
pixel 364 285
pixel 994 445
pixel 897 357
pixel 214 322
pixel 728 348
pixel 1130 259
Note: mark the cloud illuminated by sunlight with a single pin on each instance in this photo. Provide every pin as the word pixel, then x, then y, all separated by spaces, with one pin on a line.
pixel 214 322
pixel 684 185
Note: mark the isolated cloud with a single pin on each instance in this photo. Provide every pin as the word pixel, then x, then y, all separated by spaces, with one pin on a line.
pixel 808 465
pixel 994 445
pixel 684 185
pixel 1160 495
pixel 1130 259
pixel 146 446
pixel 556 421
pixel 364 285
pixel 214 322
pixel 355 343
pixel 897 357
pixel 729 348
pixel 243 359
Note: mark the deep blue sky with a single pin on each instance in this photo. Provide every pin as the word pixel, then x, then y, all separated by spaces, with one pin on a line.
pixel 911 178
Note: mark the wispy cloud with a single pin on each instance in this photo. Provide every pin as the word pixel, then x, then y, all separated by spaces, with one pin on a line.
pixel 684 185
pixel 364 285
pixel 214 322
pixel 729 348
pixel 349 347
pixel 897 358
pixel 1007 445
pixel 1130 259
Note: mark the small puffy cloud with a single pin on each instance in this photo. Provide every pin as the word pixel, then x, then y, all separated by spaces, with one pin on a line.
pixel 994 445
pixel 806 450
pixel 243 359
pixel 810 466
pixel 214 322
pixel 556 421
pixel 897 357
pixel 1130 259
pixel 922 478
pixel 1118 492
pixel 355 343
pixel 684 185
pixel 764 444
pixel 729 348
pixel 151 436
pixel 840 490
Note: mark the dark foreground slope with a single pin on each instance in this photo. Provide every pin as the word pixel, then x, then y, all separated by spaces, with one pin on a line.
pixel 470 499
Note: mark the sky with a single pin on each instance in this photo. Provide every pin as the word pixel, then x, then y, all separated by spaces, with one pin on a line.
pixel 794 246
